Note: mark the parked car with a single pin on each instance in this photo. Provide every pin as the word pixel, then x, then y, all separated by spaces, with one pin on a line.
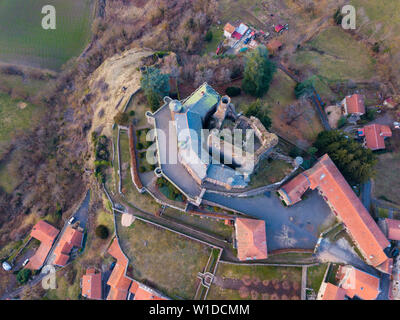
pixel 72 220
pixel 25 262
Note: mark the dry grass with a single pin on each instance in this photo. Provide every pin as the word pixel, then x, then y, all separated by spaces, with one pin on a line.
pixel 164 259
pixel 387 180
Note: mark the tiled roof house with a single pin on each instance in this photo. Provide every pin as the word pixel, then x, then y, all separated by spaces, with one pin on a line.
pixel 353 104
pixel 118 282
pixel 46 234
pixel 358 283
pixel 123 287
pixel 251 239
pixel 91 284
pixel 375 135
pixel 329 291
pixel 393 229
pixel 347 207
pixel 71 238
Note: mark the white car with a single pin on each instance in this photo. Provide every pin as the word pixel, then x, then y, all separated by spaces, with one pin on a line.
pixel 25 262
pixel 72 220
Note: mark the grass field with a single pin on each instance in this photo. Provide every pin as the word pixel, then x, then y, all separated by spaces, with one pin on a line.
pixel 315 275
pixel 387 179
pixel 265 282
pixel 209 225
pixel 279 96
pixel 270 172
pixel 164 259
pixel 24 41
pixel 15 117
pixel 328 55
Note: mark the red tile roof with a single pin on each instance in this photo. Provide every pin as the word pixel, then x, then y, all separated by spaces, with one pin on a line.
pixel 251 239
pixel 375 136
pixel 329 291
pixel 118 282
pixel 355 104
pixel 295 188
pixel 70 238
pixel 325 176
pixel 229 28
pixel 141 292
pixel 358 283
pixel 46 234
pixel 393 227
pixel 91 284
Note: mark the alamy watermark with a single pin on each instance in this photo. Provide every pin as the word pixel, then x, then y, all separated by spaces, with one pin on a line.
pixel 349 17
pixel 49 20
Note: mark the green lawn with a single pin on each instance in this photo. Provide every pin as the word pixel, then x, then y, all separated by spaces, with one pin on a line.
pixel 270 172
pixel 209 225
pixel 218 36
pixel 328 55
pixel 387 179
pixel 164 259
pixel 315 275
pixel 14 119
pixel 24 41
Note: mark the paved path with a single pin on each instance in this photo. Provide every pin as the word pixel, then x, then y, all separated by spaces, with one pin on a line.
pixel 297 226
pixel 303 282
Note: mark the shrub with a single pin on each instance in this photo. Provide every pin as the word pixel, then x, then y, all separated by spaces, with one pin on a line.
pixel 24 275
pixel 121 118
pixel 259 110
pixel 258 72
pixel 338 17
pixel 132 113
pixel 233 91
pixel 209 36
pixel 102 232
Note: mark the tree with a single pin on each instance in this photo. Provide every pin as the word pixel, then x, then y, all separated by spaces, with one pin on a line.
pixel 258 72
pixel 259 110
pixel 354 162
pixel 233 91
pixel 209 36
pixel 24 275
pixel 121 118
pixel 338 17
pixel 102 232
pixel 155 86
pixel 305 88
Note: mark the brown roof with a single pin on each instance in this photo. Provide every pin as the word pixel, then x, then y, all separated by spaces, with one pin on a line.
pixel 251 239
pixel 375 136
pixel 355 104
pixel 141 292
pixel 118 282
pixel 331 292
pixel 295 188
pixel 358 283
pixel 393 227
pixel 91 284
pixel 325 176
pixel 229 28
pixel 46 234
pixel 70 238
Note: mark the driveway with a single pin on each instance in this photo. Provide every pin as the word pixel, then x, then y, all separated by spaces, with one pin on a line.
pixel 83 212
pixel 341 252
pixel 297 226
